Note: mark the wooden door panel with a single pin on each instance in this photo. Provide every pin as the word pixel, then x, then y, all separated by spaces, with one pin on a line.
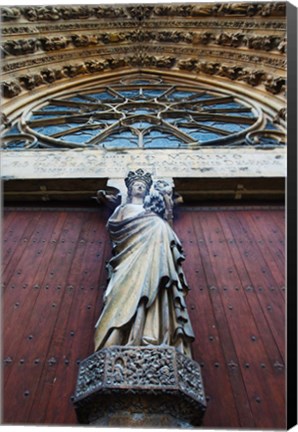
pixel 54 278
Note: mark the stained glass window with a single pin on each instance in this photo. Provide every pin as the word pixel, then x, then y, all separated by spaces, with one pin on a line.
pixel 130 114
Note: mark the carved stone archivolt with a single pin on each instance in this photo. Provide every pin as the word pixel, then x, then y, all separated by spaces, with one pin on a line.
pixel 253 77
pixel 21 47
pixel 141 12
pixel 56 38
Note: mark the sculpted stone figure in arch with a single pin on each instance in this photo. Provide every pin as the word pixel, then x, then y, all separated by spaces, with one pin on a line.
pixel 144 303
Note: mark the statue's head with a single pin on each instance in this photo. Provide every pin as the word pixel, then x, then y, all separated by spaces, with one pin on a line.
pixel 138 178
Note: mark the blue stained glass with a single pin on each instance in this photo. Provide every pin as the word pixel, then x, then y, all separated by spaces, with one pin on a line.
pixel 145 111
pixel 238 114
pixel 158 139
pixel 223 105
pixel 268 141
pixel 13 131
pixel 78 99
pixel 58 108
pixel 177 95
pixel 177 120
pixel 108 121
pixel 153 93
pixel 270 125
pixel 200 135
pixel 80 137
pixel 138 111
pixel 103 96
pixel 232 127
pixel 16 144
pixel 203 97
pixel 43 117
pixel 130 94
pixel 141 124
pixel 196 98
pixel 122 139
pixel 53 129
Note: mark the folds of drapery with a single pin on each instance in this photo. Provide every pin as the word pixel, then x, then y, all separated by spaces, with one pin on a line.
pixel 145 270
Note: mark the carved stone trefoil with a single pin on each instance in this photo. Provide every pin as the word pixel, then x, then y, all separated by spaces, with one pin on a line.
pixel 140 386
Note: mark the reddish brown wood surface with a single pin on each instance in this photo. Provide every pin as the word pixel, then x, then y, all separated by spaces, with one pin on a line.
pixel 53 281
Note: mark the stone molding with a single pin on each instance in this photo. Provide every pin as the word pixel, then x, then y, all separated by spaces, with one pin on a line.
pixel 141 12
pixel 242 35
pixel 242 56
pixel 273 83
pixel 204 163
pixel 235 24
pixel 19 47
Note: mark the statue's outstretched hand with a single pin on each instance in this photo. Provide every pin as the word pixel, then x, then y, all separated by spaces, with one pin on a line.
pixel 109 198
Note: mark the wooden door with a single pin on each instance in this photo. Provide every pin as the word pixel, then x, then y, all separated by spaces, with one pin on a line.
pixel 54 277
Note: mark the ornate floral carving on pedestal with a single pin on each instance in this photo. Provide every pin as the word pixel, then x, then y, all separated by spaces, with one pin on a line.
pixel 153 381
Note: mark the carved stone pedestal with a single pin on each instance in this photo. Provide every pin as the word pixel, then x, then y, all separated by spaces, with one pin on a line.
pixel 140 386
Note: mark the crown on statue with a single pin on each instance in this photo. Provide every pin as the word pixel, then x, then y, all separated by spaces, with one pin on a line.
pixel 138 175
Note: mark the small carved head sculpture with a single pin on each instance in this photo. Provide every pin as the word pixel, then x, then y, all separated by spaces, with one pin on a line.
pixel 163 186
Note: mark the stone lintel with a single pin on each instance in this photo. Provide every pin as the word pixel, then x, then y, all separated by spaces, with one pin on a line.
pixel 206 163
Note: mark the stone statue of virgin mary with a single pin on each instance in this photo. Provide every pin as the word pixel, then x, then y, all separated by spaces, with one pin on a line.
pixel 144 303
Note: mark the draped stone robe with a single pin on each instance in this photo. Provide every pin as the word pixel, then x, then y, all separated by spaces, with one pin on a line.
pixel 144 303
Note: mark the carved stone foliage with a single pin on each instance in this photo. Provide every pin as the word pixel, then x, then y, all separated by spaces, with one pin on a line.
pixel 197 23
pixel 281 115
pixel 190 377
pixel 10 88
pixel 20 47
pixel 141 12
pixel 10 13
pixel 71 41
pixel 253 77
pixel 29 82
pixel 54 13
pixel 29 46
pixel 138 379
pixel 275 85
pixel 4 120
pixel 141 368
pixel 91 375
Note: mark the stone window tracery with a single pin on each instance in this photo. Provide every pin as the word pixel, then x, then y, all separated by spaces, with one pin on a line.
pixel 143 113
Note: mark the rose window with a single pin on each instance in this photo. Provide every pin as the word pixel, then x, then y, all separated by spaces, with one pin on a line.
pixel 141 113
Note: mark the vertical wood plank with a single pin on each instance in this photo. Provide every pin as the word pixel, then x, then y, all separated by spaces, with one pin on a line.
pixel 28 274
pixel 279 221
pixel 226 338
pixel 80 324
pixel 56 349
pixel 16 239
pixel 42 319
pixel 252 295
pixel 261 277
pixel 207 349
pixel 247 339
pixel 271 231
pixel 273 261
